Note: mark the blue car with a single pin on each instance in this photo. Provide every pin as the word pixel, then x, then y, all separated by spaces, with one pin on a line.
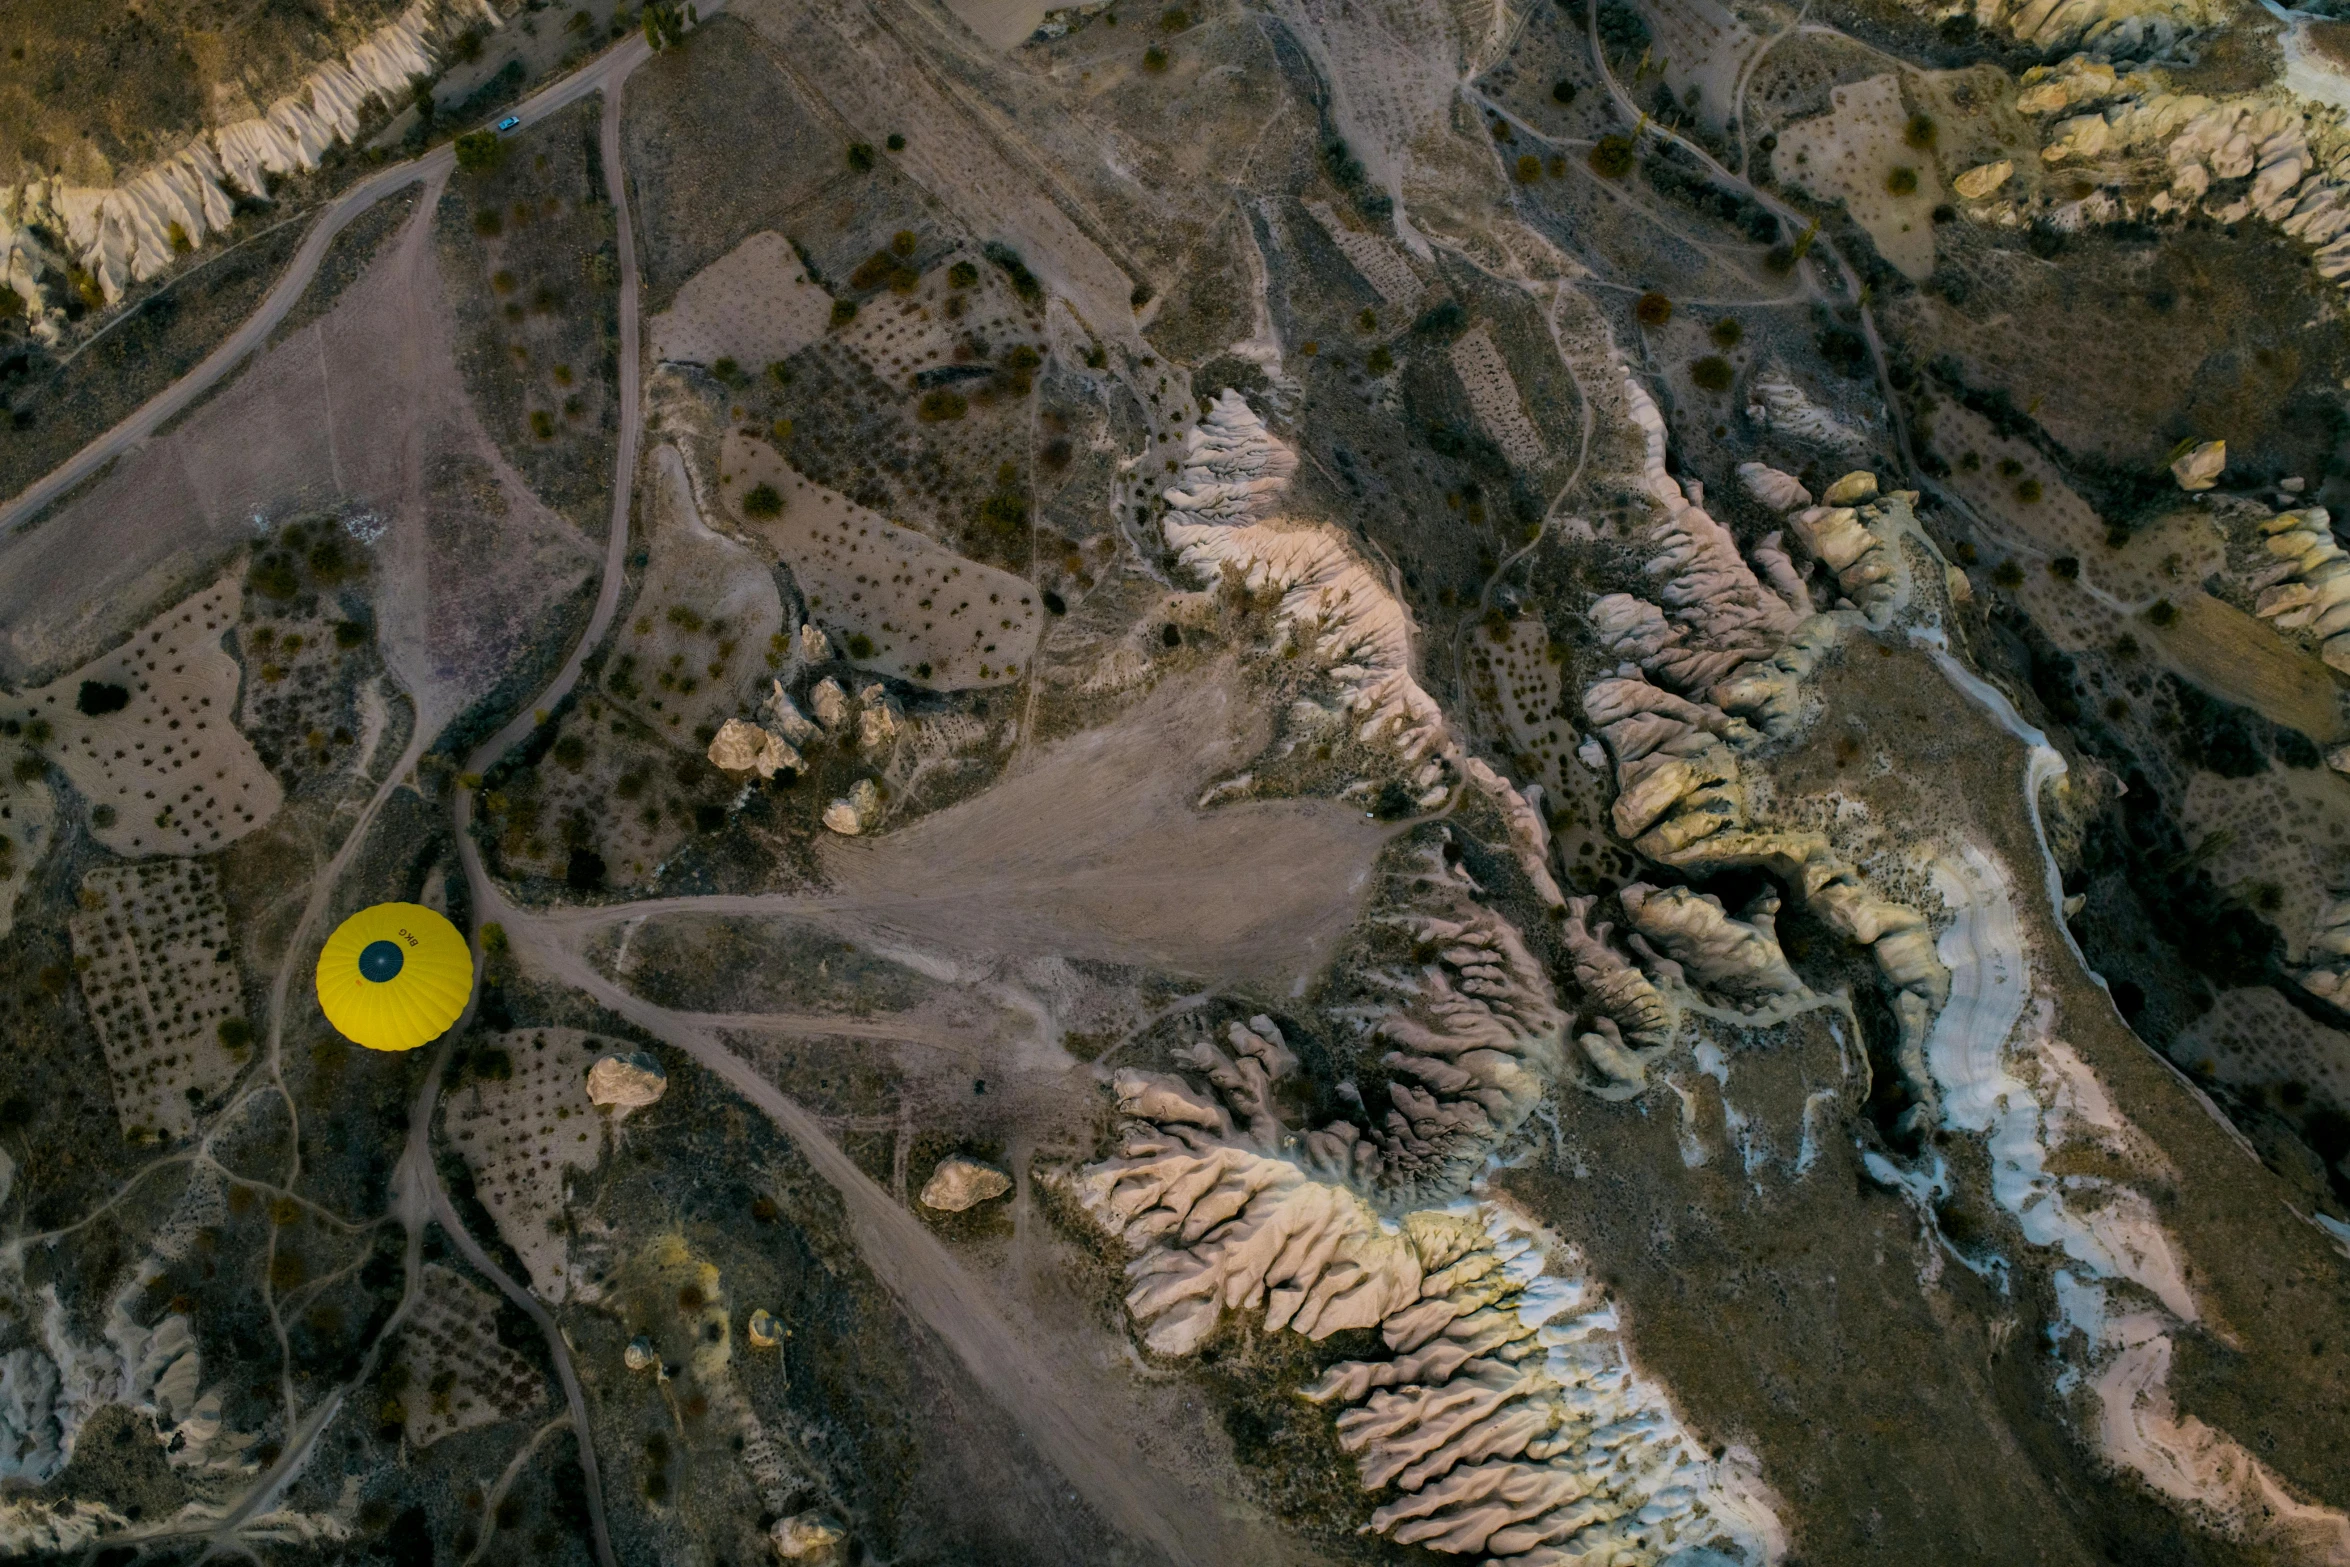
pixel 509 122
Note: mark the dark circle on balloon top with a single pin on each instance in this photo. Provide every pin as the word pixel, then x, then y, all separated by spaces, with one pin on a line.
pixel 381 960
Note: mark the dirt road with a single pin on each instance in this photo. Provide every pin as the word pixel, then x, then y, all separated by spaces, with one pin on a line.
pixel 607 71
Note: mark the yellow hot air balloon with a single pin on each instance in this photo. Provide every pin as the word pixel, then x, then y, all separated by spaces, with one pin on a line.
pixel 394 976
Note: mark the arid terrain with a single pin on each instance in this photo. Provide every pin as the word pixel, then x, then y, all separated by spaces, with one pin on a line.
pixel 1355 782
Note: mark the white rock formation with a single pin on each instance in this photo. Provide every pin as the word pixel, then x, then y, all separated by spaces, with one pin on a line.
pixel 621 1083
pixel 764 1331
pixel 806 1537
pixel 831 703
pixel 780 711
pixel 2328 956
pixel 741 747
pixel 1984 180
pixel 857 812
pixel 1779 491
pixel 959 1183
pixel 1864 567
pixel 2309 587
pixel 2200 468
pixel 877 719
pixel 2110 29
pixel 1775 403
pixel 1699 938
pixel 2005 1076
pixel 1222 513
pixel 138 228
pixel 1506 1417
pixel 815 647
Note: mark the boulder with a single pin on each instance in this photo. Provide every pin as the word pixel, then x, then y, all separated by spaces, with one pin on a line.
pixel 626 1083
pixel 1854 489
pixel 857 812
pixel 2200 468
pixel 831 703
pixel 806 1537
pixel 746 748
pixel 1983 181
pixel 959 1183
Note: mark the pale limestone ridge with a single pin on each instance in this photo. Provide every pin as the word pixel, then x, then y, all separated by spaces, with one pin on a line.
pixel 1508 1418
pixel 126 232
pixel 2309 586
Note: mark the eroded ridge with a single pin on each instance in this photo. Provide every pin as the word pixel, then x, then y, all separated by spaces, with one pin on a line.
pixel 1508 1416
pixel 1717 670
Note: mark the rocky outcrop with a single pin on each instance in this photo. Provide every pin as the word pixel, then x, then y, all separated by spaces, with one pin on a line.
pixel 2199 467
pixel 958 1183
pixel 2309 587
pixel 1693 938
pixel 856 812
pixel 741 747
pixel 140 227
pixel 2107 29
pixel 1505 1420
pixel 621 1083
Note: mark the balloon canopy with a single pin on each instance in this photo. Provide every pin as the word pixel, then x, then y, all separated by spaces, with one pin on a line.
pixel 394 976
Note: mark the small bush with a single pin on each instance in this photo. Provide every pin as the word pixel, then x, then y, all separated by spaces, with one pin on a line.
pixel 479 152
pixel 1529 169
pixel 896 142
pixel 2164 613
pixel 1902 181
pixel 861 156
pixel 2008 574
pixel 349 634
pixel 860 645
pixel 102 816
pixel 488 224
pixel 1712 373
pixel 570 753
pixel 762 500
pixel 2065 568
pixel 843 311
pixel 99 697
pixel 274 577
pixel 235 1033
pixel 542 424
pixel 1727 332
pixel 1652 309
pixel 1154 60
pixel 902 243
pixel 726 370
pixel 941 405
pixel 1379 361
pixel 1919 132
pixel 1611 157
pixel 585 872
pixel 1562 91
pixel 2028 492
pixel 502 282
pixel 962 275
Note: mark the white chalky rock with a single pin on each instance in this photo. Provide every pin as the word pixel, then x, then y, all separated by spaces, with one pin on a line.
pixel 741 747
pixel 639 1355
pixel 625 1083
pixel 1738 957
pixel 857 812
pixel 815 646
pixel 2309 587
pixel 877 719
pixel 1982 182
pixel 1779 491
pixel 806 1537
pixel 1855 489
pixel 1841 539
pixel 765 1332
pixel 1505 1416
pixel 959 1183
pixel 1774 402
pixel 831 703
pixel 2200 468
pixel 786 716
pixel 139 228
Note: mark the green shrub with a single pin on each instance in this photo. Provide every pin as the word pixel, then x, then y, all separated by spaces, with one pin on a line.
pixel 962 275
pixel 843 311
pixel 235 1033
pixel 1611 157
pixel 1154 60
pixel 861 156
pixel 542 424
pixel 860 645
pixel 488 223
pixel 1902 181
pixel 1652 309
pixel 1379 361
pixel 1712 373
pixel 479 152
pixel 762 500
pixel 942 404
pixel 1726 332
pixel 1529 169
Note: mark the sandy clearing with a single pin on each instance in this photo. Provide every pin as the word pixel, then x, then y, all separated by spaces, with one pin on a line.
pixel 1093 849
pixel 754 305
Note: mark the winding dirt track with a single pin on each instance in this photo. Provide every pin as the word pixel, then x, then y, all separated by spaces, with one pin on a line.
pixel 602 75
